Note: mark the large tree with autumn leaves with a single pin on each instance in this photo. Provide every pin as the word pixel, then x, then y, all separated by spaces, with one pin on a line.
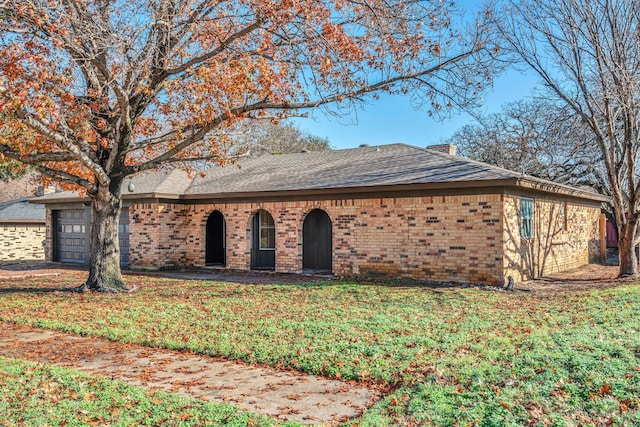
pixel 94 91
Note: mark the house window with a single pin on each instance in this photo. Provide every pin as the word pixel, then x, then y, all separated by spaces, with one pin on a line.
pixel 526 218
pixel 267 231
pixel 565 218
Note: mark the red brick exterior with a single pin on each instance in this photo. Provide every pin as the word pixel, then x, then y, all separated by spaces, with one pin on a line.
pixel 462 238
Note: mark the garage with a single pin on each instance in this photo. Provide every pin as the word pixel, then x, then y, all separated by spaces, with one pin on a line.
pixel 71 239
pixel 72 236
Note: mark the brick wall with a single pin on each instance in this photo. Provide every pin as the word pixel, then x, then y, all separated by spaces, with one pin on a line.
pixel 462 238
pixel 157 235
pixel 22 242
pixel 438 238
pixel 565 236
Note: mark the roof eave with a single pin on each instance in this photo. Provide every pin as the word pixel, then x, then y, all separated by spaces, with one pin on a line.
pixel 352 190
pixel 551 187
pixel 22 221
pixel 136 196
pixel 151 196
pixel 522 183
pixel 44 201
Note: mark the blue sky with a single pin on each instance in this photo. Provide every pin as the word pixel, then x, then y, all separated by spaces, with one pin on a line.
pixel 391 119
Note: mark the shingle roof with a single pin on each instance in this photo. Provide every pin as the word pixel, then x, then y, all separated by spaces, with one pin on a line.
pixel 163 182
pixel 356 168
pixel 21 210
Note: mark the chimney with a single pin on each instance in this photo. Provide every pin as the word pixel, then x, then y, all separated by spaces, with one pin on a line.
pixel 449 149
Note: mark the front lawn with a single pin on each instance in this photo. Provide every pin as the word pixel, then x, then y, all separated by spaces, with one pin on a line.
pixel 36 395
pixel 448 356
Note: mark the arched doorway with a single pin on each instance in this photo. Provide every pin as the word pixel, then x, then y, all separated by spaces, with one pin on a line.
pixel 316 241
pixel 263 241
pixel 215 247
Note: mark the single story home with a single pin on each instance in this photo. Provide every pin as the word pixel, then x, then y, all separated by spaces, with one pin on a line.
pixel 393 210
pixel 22 231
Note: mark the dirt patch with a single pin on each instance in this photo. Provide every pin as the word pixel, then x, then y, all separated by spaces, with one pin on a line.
pixel 284 395
pixel 235 276
pixel 24 269
pixel 588 277
pixel 592 276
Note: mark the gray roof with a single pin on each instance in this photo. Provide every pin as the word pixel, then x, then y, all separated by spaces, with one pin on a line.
pixel 21 210
pixel 358 167
pixel 364 168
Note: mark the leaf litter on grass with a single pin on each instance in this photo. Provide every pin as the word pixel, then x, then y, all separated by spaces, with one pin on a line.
pixel 447 355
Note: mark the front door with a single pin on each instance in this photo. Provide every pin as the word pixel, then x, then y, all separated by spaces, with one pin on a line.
pixel 263 241
pixel 316 241
pixel 215 245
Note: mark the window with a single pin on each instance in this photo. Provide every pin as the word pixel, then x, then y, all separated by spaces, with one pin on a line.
pixel 565 218
pixel 526 218
pixel 267 231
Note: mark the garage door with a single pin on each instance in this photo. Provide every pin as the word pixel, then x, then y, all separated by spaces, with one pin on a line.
pixel 71 238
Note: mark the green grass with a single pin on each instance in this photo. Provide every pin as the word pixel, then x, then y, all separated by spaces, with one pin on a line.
pixel 449 356
pixel 36 395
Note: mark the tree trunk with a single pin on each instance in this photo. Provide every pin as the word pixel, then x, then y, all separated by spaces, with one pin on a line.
pixel 627 249
pixel 104 249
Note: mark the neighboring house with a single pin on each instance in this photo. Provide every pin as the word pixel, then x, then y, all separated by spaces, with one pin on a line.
pixel 393 210
pixel 22 231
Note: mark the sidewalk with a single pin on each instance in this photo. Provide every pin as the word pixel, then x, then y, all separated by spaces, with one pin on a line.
pixel 284 395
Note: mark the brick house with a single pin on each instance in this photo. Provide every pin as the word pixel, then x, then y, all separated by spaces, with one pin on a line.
pixel 22 231
pixel 394 210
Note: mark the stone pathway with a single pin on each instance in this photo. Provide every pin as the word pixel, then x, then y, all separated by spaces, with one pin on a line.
pixel 281 394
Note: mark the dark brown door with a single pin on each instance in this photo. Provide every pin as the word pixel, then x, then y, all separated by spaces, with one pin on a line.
pixel 215 245
pixel 316 241
pixel 263 241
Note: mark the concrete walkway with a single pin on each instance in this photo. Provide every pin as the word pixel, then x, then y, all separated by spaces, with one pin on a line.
pixel 281 394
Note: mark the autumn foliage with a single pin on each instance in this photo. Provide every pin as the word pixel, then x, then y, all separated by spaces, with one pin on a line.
pixel 94 91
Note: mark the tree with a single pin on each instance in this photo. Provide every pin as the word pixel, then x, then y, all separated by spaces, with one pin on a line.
pixel 587 53
pixel 114 88
pixel 11 169
pixel 536 137
pixel 258 137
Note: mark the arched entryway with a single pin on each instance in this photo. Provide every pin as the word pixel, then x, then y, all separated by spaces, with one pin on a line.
pixel 316 241
pixel 263 241
pixel 215 247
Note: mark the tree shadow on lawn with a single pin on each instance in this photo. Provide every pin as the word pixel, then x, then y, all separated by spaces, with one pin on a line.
pixel 36 290
pixel 401 282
